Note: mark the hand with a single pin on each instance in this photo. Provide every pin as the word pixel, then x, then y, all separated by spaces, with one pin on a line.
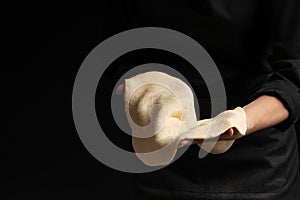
pixel 230 134
pixel 263 112
pixel 120 89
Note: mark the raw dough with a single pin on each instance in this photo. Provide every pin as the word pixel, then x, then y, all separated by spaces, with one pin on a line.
pixel 160 111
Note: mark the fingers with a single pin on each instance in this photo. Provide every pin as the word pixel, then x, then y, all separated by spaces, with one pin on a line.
pixel 183 143
pixel 120 89
pixel 187 142
pixel 230 134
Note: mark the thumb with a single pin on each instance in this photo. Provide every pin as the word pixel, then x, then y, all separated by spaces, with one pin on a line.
pixel 120 89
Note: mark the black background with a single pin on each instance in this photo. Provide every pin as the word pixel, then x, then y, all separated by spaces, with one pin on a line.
pixel 45 45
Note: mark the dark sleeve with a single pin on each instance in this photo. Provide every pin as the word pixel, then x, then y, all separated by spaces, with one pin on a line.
pixel 284 57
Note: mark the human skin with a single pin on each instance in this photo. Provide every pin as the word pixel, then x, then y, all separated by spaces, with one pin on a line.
pixel 263 112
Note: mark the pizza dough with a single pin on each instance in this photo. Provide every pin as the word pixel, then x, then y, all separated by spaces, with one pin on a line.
pixel 160 111
pixel 212 128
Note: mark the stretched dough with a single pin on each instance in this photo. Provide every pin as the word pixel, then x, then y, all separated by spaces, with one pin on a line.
pixel 160 111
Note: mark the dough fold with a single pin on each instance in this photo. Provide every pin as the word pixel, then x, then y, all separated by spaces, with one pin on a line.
pixel 160 111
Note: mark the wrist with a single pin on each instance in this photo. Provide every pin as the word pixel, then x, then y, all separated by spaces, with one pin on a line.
pixel 250 120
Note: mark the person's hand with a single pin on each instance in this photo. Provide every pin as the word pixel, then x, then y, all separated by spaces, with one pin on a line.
pixel 120 89
pixel 230 134
pixel 263 112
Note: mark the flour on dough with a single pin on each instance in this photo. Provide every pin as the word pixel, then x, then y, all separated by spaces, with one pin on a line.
pixel 160 111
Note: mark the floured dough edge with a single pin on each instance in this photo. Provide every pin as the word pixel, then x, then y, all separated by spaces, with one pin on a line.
pixel 166 152
pixel 234 119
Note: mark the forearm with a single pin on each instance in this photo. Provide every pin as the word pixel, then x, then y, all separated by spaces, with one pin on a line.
pixel 264 112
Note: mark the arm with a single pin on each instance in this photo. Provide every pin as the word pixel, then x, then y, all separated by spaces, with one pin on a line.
pixel 264 112
pixel 278 99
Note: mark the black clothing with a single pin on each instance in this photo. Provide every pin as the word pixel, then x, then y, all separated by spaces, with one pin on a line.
pixel 256 46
